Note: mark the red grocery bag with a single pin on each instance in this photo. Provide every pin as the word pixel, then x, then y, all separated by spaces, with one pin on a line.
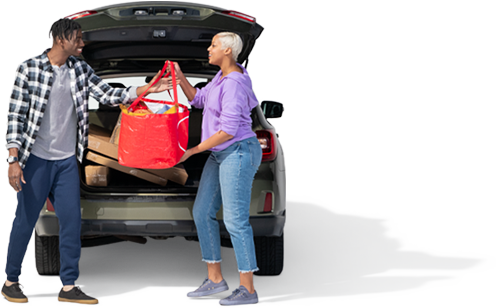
pixel 153 141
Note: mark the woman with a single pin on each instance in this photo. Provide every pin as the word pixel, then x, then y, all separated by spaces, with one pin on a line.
pixel 229 171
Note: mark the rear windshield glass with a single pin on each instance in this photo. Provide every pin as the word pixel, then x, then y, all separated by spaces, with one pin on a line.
pixel 140 81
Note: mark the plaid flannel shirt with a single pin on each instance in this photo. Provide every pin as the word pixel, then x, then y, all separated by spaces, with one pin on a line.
pixel 30 95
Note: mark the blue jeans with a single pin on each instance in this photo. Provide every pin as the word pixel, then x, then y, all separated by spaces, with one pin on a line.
pixel 227 179
pixel 58 180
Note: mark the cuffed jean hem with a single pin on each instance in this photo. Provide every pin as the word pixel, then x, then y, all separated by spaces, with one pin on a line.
pixel 246 272
pixel 69 283
pixel 211 262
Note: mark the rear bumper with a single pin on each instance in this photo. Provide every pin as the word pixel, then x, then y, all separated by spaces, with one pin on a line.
pixel 48 225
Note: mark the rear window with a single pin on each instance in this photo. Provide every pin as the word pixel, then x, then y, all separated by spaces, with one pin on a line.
pixel 139 81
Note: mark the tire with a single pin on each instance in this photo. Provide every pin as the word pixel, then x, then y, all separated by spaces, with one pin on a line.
pixel 269 254
pixel 47 255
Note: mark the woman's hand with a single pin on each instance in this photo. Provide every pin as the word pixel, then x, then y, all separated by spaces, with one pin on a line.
pixel 213 141
pixel 187 155
pixel 187 88
pixel 177 70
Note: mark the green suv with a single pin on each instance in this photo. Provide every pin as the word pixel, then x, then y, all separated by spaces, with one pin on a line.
pixel 126 44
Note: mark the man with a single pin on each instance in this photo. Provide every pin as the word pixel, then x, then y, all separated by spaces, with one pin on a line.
pixel 47 133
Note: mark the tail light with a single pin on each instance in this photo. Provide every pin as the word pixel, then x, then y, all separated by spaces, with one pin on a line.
pixel 240 16
pixel 268 144
pixel 50 206
pixel 81 14
pixel 268 203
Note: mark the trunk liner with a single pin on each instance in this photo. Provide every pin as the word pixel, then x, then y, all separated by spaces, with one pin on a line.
pixel 120 182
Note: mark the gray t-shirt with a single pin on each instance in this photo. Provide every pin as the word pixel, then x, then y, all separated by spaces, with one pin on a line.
pixel 57 136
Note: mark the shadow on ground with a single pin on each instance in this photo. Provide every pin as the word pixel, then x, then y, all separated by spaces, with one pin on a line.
pixel 326 255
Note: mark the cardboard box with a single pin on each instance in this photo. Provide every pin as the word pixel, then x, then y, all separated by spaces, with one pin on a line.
pixel 97 175
pixel 114 138
pixel 176 174
pixel 99 141
pixel 111 163
pixel 100 144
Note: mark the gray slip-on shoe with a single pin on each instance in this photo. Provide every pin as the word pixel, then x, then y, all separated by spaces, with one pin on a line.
pixel 240 296
pixel 208 287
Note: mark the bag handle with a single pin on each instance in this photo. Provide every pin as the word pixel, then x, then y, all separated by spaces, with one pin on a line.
pixel 135 105
pixel 179 122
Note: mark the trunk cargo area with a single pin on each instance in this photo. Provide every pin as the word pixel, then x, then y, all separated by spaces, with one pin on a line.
pixel 118 181
pixel 110 177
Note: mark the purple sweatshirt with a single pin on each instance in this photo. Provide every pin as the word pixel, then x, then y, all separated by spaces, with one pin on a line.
pixel 227 104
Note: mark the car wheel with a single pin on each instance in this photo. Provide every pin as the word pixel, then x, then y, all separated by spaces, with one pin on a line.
pixel 47 255
pixel 269 254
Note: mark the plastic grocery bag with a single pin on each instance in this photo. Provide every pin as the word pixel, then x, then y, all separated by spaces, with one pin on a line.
pixel 153 141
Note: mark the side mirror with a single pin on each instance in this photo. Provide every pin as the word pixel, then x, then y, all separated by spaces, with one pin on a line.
pixel 272 109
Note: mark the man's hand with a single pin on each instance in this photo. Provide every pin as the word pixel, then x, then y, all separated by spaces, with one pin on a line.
pixel 162 85
pixel 16 176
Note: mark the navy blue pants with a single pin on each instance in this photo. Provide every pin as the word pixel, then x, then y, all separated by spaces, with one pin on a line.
pixel 58 180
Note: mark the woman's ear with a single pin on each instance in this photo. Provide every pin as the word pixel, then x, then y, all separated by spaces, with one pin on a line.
pixel 228 52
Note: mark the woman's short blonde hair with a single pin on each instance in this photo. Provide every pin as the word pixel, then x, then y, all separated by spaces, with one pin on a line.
pixel 231 40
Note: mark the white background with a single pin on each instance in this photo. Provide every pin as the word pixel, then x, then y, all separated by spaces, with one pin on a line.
pixel 337 254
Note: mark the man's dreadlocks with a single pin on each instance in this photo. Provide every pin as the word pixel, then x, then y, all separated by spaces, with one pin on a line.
pixel 64 29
